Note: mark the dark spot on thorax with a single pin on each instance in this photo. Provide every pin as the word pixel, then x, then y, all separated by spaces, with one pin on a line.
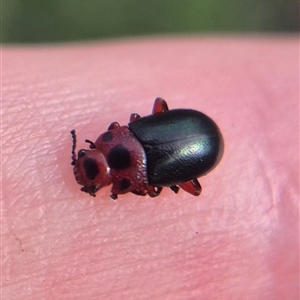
pixel 119 158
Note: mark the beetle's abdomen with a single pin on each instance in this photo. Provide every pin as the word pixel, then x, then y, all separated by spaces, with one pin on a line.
pixel 180 145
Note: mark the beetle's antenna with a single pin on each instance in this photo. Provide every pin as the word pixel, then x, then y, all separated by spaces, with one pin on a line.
pixel 73 157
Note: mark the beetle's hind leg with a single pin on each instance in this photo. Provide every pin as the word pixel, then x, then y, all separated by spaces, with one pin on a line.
pixel 159 106
pixel 174 188
pixel 193 187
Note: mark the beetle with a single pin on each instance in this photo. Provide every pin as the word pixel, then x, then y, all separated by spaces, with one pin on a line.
pixel 169 148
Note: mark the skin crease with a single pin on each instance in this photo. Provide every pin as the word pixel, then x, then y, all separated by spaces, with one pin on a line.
pixel 237 240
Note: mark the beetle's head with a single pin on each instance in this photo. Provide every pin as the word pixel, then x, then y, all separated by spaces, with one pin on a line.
pixel 90 168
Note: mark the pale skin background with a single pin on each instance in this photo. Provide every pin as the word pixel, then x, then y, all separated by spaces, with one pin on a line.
pixel 237 240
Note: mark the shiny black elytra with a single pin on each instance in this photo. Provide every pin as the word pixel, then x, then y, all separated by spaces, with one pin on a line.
pixel 170 148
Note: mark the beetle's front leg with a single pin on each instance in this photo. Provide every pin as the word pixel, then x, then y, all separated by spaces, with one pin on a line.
pixel 113 125
pixel 114 196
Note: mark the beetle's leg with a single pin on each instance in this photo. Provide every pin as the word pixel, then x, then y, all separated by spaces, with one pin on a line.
pixel 113 125
pixel 174 188
pixel 85 190
pixel 114 196
pixel 153 191
pixel 150 190
pixel 160 105
pixel 193 187
pixel 139 193
pixel 92 145
pixel 134 117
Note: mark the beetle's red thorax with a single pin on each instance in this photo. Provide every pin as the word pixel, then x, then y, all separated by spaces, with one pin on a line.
pixel 126 159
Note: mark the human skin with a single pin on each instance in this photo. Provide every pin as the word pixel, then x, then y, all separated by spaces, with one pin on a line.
pixel 237 240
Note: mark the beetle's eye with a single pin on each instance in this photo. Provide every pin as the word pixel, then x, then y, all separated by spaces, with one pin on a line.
pixel 81 153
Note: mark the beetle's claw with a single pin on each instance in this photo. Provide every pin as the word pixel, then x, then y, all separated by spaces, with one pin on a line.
pixel 114 196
